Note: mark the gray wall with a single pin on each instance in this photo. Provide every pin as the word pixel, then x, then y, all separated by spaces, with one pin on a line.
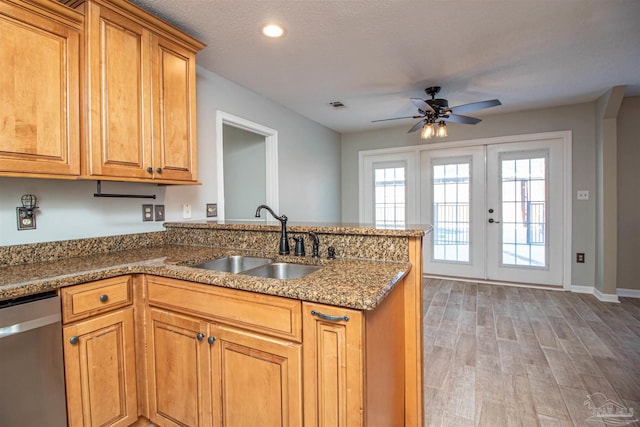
pixel 245 169
pixel 580 119
pixel 308 154
pixel 629 193
pixel 309 163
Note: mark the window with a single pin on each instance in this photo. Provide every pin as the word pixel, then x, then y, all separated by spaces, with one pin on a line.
pixel 390 196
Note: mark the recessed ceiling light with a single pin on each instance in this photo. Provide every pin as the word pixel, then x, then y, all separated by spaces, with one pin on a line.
pixel 273 30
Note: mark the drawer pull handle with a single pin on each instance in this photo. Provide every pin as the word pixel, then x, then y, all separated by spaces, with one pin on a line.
pixel 104 298
pixel 200 336
pixel 211 340
pixel 74 340
pixel 330 318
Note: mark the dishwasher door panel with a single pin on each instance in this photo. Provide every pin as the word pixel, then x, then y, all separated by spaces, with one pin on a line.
pixel 32 391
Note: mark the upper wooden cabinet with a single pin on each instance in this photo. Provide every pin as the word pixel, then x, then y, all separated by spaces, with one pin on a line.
pixel 39 89
pixel 140 94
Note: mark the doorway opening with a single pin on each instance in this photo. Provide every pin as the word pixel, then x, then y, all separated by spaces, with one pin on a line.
pixel 247 167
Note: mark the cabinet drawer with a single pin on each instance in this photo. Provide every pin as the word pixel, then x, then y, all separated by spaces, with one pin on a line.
pixel 82 301
pixel 266 314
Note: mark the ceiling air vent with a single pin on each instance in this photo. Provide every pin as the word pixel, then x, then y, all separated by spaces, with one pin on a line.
pixel 336 104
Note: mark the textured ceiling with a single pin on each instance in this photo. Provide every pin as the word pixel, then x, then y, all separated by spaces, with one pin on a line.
pixel 375 54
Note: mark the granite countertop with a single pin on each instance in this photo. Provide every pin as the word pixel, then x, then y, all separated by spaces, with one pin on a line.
pixel 352 283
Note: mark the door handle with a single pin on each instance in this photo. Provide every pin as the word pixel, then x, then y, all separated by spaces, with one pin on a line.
pixel 491 221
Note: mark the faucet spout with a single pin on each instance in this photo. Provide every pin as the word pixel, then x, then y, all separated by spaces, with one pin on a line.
pixel 284 241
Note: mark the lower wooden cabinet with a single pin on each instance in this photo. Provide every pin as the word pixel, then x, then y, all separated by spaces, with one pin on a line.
pixel 256 380
pixel 100 370
pixel 211 356
pixel 207 374
pixel 178 361
pixel 333 362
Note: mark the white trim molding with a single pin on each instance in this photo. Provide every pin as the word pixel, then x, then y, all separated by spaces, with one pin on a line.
pixel 628 293
pixel 271 142
pixel 605 297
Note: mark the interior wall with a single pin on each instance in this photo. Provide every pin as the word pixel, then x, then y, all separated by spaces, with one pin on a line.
pixel 245 169
pixel 309 186
pixel 580 119
pixel 628 200
pixel 308 154
pixel 68 210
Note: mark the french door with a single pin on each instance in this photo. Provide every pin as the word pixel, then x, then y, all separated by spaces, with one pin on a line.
pixel 497 211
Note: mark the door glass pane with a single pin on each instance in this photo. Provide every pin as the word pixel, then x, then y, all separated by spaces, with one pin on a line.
pixel 451 220
pixel 524 211
pixel 390 201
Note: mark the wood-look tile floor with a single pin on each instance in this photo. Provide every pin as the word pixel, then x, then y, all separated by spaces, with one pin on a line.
pixel 505 356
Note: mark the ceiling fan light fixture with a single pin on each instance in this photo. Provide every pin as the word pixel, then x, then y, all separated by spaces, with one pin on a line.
pixel 428 131
pixel 442 130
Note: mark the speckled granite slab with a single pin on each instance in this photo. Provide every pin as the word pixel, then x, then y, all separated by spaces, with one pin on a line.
pixel 349 241
pixel 370 261
pixel 50 251
pixel 358 284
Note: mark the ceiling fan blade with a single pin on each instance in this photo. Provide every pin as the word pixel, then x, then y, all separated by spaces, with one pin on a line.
pixel 465 108
pixel 456 118
pixel 422 105
pixel 418 125
pixel 397 118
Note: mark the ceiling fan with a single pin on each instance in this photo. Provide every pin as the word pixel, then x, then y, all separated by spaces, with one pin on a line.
pixel 437 110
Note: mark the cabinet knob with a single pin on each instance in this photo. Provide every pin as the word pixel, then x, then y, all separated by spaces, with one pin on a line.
pixel 211 340
pixel 74 340
pixel 159 170
pixel 150 169
pixel 200 336
pixel 104 298
pixel 330 318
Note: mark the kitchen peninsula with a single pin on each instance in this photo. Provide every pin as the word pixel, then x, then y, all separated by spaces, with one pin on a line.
pixel 340 346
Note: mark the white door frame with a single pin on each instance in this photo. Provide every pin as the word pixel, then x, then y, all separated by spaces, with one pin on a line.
pixel 271 142
pixel 565 136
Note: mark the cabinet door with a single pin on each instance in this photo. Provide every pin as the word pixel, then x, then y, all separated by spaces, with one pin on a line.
pixel 178 367
pixel 100 370
pixel 174 107
pixel 39 94
pixel 256 380
pixel 333 358
pixel 119 126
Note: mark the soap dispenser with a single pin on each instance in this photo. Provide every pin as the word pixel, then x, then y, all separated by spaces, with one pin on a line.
pixel 299 251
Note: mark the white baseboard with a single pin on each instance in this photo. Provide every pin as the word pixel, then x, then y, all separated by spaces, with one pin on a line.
pixel 628 293
pixel 582 289
pixel 605 297
pixel 579 289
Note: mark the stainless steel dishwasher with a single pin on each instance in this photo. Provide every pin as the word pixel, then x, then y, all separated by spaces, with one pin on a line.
pixel 32 391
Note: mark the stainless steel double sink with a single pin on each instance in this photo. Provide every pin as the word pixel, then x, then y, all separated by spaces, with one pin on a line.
pixel 260 267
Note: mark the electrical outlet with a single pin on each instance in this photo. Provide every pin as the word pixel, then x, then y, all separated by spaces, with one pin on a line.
pixel 583 195
pixel 580 257
pixel 212 210
pixel 186 211
pixel 26 219
pixel 159 212
pixel 147 213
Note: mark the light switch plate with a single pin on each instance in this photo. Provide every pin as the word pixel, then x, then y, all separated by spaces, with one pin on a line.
pixel 212 210
pixel 158 211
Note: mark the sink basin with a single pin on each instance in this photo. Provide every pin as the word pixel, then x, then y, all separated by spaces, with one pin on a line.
pixel 282 270
pixel 234 263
